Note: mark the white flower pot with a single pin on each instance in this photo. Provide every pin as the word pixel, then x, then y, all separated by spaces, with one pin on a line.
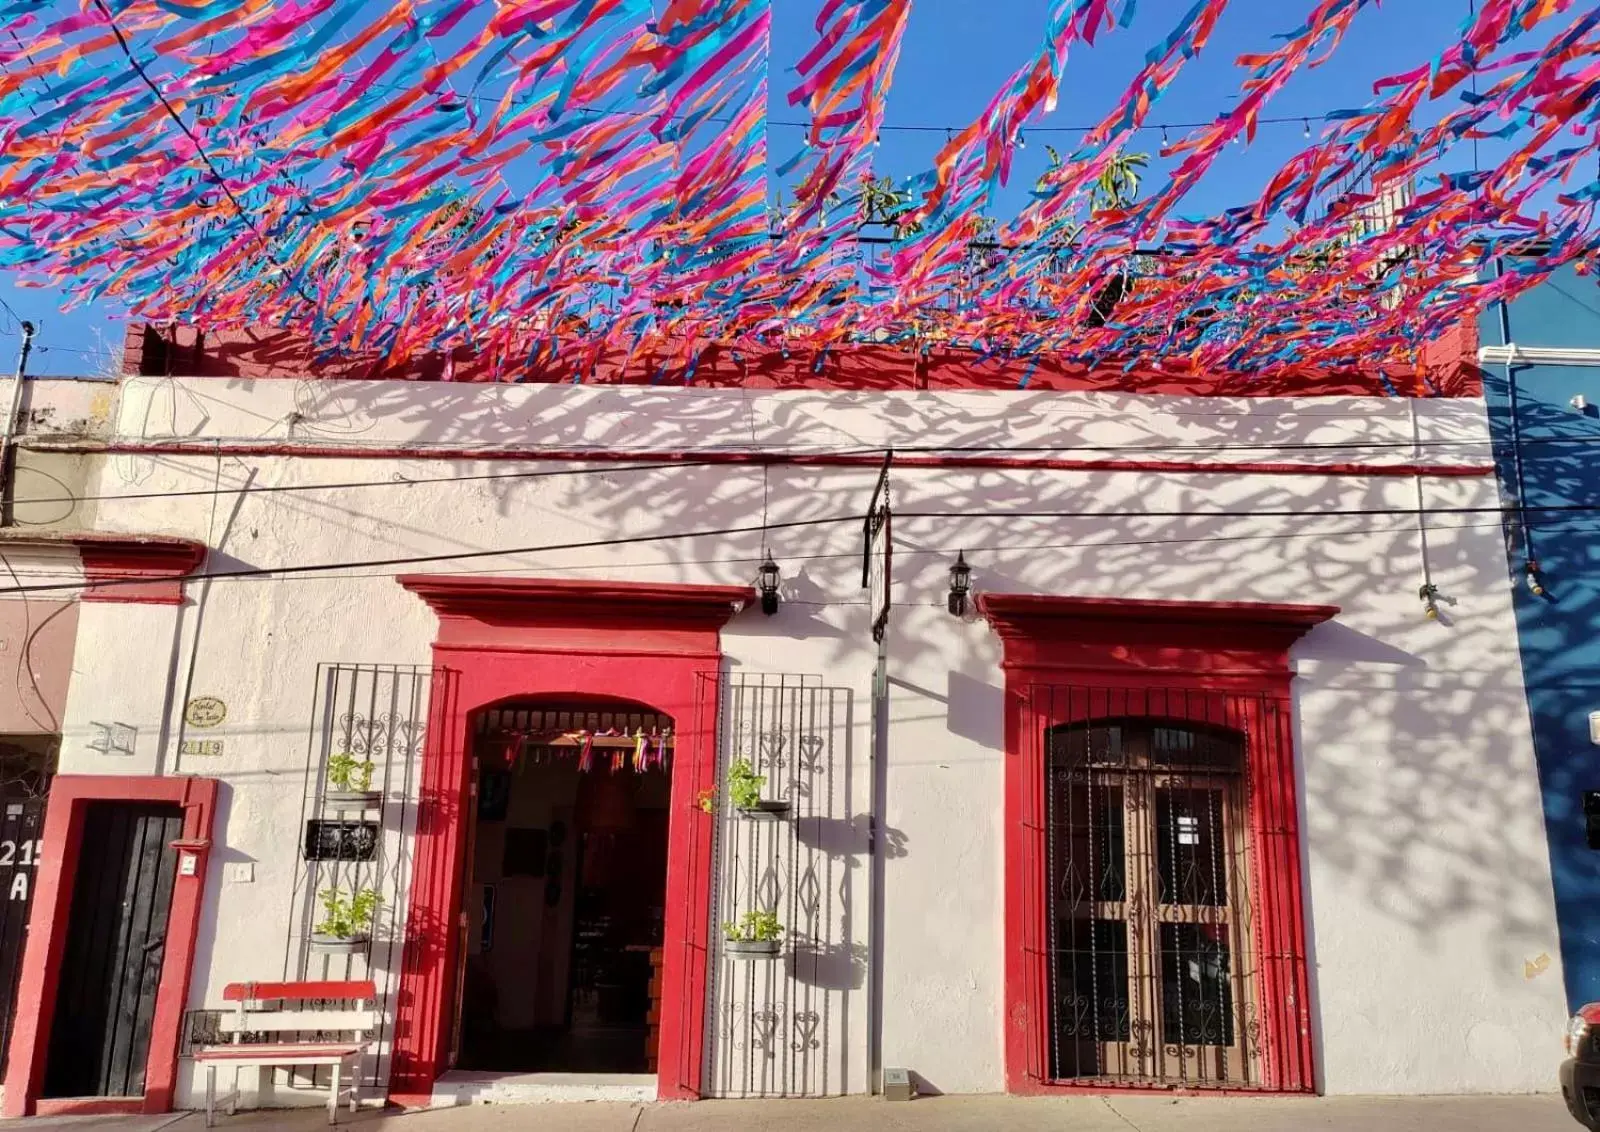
pixel 337 945
pixel 353 799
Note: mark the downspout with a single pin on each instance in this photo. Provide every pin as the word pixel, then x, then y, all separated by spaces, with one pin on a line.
pixel 7 478
pixel 1503 310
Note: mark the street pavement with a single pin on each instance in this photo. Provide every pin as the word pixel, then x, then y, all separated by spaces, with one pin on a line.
pixel 926 1114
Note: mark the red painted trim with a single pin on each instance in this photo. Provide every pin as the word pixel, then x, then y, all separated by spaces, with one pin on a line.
pixel 89 1106
pixel 943 461
pixel 266 992
pixel 1234 658
pixel 672 661
pixel 137 569
pixel 1444 367
pixel 70 795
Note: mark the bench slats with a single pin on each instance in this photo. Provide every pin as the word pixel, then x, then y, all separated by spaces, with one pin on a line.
pixel 278 1021
pixel 285 1053
pixel 266 992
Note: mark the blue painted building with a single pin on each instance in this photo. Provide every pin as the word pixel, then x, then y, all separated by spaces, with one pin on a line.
pixel 1540 356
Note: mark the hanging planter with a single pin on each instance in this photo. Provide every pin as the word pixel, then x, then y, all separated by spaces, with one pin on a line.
pixel 350 784
pixel 324 944
pixel 346 923
pixel 765 810
pixel 744 793
pixel 758 935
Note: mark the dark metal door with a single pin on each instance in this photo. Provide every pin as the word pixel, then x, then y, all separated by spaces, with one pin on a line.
pixel 116 940
pixel 20 823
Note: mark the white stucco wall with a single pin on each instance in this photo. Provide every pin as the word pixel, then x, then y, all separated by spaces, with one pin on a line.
pixel 1433 940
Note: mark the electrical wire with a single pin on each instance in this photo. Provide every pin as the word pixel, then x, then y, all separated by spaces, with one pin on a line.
pixel 797 454
pixel 407 481
pixel 16 319
pixel 853 519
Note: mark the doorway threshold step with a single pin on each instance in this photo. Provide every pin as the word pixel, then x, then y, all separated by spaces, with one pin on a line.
pixel 464 1087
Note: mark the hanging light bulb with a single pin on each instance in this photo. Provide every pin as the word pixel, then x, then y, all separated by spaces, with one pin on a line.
pixel 767 582
pixel 1535 582
pixel 1164 141
pixel 960 585
pixel 1022 142
pixel 1306 122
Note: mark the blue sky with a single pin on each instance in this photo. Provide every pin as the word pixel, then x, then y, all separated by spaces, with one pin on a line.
pixel 956 54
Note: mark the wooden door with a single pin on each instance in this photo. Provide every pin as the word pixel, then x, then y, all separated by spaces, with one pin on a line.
pixel 116 941
pixel 1148 905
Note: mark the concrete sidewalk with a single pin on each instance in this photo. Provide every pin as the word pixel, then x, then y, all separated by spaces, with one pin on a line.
pixel 928 1114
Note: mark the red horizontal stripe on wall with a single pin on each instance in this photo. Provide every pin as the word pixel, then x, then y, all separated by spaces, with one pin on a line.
pixel 689 456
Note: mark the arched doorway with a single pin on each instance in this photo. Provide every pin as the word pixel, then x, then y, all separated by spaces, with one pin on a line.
pixel 573 642
pixel 564 887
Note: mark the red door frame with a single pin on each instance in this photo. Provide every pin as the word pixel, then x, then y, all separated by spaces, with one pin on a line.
pixel 65 809
pixel 1234 656
pixel 504 638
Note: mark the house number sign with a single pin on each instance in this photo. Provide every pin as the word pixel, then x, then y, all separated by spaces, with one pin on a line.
pixel 20 855
pixel 205 711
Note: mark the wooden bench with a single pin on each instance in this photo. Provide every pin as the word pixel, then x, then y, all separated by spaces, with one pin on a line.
pixel 276 1008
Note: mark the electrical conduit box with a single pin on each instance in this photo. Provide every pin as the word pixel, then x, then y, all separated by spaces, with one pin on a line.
pixel 897 1085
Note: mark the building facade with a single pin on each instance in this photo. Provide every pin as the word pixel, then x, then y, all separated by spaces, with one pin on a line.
pixel 1220 776
pixel 1541 366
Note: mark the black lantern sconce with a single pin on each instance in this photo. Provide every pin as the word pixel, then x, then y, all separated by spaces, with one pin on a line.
pixel 960 585
pixel 767 582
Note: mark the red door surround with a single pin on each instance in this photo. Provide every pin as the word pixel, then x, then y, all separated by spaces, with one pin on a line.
pixel 70 795
pixel 506 638
pixel 1229 662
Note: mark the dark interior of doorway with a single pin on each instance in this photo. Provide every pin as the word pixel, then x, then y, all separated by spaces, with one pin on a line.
pixel 567 891
pixel 116 941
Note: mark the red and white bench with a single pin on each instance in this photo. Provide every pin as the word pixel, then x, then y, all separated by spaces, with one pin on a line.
pixel 277 1008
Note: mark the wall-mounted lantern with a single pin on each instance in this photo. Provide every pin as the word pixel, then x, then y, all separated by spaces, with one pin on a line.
pixel 767 583
pixel 960 585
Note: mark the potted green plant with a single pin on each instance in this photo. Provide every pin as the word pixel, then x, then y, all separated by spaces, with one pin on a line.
pixel 350 783
pixel 756 936
pixel 346 922
pixel 744 792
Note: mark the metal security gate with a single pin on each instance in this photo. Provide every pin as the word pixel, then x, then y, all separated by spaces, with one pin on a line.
pixel 1156 833
pixel 116 940
pixel 376 713
pixel 21 823
pixel 26 766
pixel 787 1026
pixel 1149 917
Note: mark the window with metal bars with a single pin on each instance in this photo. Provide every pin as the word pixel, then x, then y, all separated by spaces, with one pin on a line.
pixel 1148 904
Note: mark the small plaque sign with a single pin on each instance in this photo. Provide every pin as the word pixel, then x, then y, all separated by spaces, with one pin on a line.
pixel 205 711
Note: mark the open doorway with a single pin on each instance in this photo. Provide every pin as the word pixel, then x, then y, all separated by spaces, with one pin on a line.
pixel 565 891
